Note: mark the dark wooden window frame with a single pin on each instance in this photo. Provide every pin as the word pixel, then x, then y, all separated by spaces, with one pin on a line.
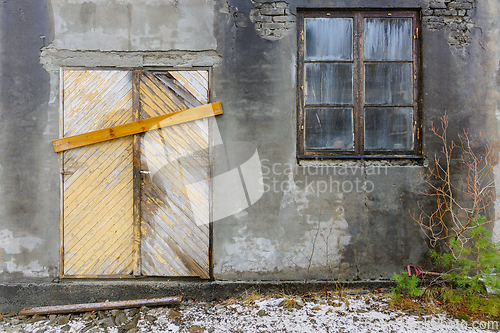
pixel 359 152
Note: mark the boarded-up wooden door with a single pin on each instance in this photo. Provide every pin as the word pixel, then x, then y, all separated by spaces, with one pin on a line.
pixel 125 208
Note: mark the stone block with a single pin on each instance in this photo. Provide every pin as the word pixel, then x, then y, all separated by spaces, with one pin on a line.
pixel 267 6
pixel 442 12
pixel 433 19
pixel 282 18
pixel 262 18
pixel 434 25
pixel 272 11
pixel 471 12
pixel 437 5
pixel 460 5
pixel 281 5
pixel 273 26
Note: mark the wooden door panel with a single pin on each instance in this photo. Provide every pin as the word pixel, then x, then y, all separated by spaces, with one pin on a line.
pixel 97 186
pixel 167 154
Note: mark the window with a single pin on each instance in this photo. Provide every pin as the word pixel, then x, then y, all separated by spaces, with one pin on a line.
pixel 358 84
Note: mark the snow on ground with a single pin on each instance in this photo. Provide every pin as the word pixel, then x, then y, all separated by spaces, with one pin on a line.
pixel 347 314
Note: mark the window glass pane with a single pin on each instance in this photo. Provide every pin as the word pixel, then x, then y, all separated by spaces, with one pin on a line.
pixel 388 39
pixel 328 84
pixel 329 128
pixel 389 128
pixel 388 84
pixel 328 38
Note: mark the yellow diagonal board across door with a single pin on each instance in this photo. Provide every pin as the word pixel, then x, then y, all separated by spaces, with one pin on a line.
pixel 97 184
pixel 136 127
pixel 172 243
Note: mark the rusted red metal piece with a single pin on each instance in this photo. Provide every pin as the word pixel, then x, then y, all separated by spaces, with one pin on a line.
pixel 419 272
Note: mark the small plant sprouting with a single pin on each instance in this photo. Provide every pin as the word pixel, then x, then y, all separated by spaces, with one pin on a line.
pixel 406 285
pixel 478 261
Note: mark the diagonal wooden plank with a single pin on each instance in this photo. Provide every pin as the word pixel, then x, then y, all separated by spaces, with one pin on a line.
pixel 136 127
pixel 197 249
pixel 161 199
pixel 99 210
pixel 182 92
pixel 158 99
pixel 168 177
pixel 98 178
pixel 85 109
pixel 158 258
pixel 195 82
pixel 112 251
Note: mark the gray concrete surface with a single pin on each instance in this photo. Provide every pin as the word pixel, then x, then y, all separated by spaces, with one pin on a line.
pixel 16 296
pixel 372 234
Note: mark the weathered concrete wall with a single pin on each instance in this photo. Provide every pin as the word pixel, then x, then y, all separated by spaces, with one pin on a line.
pixel 133 25
pixel 348 220
pixel 366 233
pixel 489 16
pixel 28 169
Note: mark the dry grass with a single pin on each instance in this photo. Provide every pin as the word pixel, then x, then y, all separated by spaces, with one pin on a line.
pixel 252 296
pixel 452 302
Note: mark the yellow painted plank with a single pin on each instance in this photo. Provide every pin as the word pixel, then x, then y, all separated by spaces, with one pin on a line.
pixel 136 127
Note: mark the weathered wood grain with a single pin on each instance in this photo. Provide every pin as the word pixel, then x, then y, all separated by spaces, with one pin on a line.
pixel 125 206
pixel 98 179
pixel 172 243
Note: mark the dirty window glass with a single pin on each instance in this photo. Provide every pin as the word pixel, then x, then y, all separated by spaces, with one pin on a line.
pixel 328 84
pixel 388 84
pixel 358 84
pixel 328 38
pixel 389 128
pixel 388 39
pixel 329 128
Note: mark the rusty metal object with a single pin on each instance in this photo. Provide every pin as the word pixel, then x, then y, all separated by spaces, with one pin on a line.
pixel 420 272
pixel 85 307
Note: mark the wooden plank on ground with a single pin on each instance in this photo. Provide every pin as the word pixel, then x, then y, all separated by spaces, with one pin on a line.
pixel 85 307
pixel 136 127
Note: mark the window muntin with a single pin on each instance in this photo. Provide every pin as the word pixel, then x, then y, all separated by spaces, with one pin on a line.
pixel 358 84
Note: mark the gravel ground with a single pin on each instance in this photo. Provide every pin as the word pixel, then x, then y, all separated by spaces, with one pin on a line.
pixel 354 313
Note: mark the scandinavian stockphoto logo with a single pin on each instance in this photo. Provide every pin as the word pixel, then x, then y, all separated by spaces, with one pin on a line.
pixel 237 186
pixel 182 171
pixel 460 325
